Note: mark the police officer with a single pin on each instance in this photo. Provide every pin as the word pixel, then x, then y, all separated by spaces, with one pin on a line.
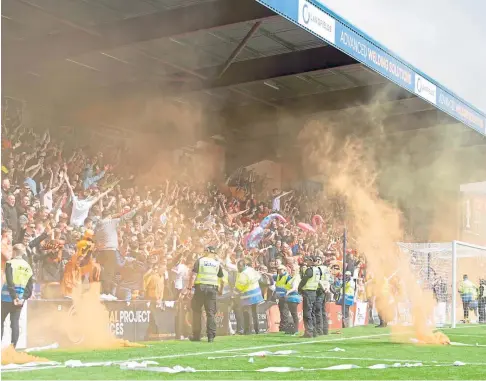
pixel 206 272
pixel 16 290
pixel 250 294
pixel 322 324
pixel 307 288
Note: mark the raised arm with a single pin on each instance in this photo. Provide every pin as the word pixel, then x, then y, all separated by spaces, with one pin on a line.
pixel 69 185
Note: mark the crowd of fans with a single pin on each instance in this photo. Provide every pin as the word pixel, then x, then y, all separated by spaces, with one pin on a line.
pixel 59 203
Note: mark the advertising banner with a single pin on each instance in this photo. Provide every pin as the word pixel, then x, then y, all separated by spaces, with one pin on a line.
pixel 54 321
pixel 319 20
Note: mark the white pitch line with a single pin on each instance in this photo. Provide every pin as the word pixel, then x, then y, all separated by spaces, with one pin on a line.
pixel 463 334
pixel 219 351
pixel 259 347
pixel 466 326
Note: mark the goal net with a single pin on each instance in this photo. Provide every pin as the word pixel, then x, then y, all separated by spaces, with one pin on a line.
pixel 440 268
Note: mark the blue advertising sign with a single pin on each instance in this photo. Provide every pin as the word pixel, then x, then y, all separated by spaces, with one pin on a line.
pixel 375 58
pixel 313 16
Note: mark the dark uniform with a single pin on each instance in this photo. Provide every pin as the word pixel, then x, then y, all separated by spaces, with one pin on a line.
pixel 307 288
pixel 16 290
pixel 207 270
pixel 482 301
pixel 321 321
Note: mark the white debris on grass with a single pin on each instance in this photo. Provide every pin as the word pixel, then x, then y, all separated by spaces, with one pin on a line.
pixel 342 367
pixel 258 354
pixel 337 349
pixel 135 364
pixel 80 364
pixel 379 366
pixel 458 363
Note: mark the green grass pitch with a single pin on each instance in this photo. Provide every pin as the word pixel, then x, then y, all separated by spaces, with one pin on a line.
pixel 364 346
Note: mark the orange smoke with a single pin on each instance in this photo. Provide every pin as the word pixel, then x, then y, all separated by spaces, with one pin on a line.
pixel 88 324
pixel 11 356
pixel 85 325
pixel 348 168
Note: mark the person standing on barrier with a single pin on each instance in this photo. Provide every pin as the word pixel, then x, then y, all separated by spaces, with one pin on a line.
pixel 307 288
pixel 293 300
pixel 16 289
pixel 281 280
pixel 206 271
pixel 250 295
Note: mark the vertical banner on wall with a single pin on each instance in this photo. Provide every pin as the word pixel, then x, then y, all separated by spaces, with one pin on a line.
pixel 473 213
pixel 361 314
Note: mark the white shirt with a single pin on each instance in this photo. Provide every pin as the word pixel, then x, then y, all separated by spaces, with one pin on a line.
pixel 276 204
pixel 181 271
pixel 80 210
pixel 46 199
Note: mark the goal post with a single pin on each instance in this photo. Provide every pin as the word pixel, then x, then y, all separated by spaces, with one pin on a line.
pixel 439 267
pixel 467 259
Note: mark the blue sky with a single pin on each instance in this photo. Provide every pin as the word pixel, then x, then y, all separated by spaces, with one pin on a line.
pixel 445 39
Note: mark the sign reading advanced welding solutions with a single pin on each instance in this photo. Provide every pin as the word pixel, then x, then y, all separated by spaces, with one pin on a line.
pixel 323 23
pixel 357 47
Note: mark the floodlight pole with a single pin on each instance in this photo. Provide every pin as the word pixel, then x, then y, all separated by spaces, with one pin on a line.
pixel 454 283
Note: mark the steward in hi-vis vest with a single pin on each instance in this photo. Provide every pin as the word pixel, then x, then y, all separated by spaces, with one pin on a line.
pixel 207 277
pixel 250 295
pixel 307 288
pixel 16 289
pixel 468 291
pixel 293 299
pixel 281 280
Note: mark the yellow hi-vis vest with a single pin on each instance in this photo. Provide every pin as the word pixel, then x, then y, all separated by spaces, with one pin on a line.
pixel 247 283
pixel 313 282
pixel 468 290
pixel 325 277
pixel 280 285
pixel 208 272
pixel 21 273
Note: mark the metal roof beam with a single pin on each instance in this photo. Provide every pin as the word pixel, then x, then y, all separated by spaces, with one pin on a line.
pixel 202 16
pixel 258 69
